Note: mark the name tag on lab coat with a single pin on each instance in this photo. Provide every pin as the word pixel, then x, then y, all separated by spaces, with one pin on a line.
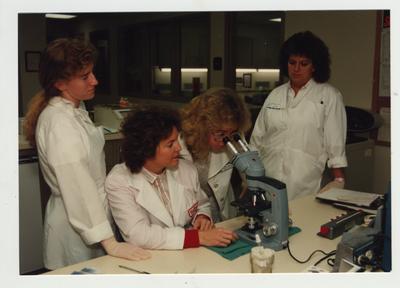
pixel 274 106
pixel 193 210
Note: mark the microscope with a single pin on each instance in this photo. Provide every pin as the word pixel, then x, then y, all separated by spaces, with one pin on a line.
pixel 266 202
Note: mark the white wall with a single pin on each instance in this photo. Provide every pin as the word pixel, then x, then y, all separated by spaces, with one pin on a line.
pixel 350 36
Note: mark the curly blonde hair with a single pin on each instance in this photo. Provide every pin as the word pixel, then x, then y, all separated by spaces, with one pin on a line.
pixel 209 111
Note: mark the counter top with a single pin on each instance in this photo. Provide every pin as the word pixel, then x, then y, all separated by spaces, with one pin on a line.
pixel 23 144
pixel 307 214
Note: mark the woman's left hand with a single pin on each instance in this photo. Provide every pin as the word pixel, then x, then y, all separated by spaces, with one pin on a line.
pixel 202 223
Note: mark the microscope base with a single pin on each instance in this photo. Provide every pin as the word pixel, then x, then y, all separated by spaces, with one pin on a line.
pixel 248 236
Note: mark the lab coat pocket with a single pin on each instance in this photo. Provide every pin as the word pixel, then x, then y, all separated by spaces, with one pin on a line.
pixel 317 111
pixel 276 117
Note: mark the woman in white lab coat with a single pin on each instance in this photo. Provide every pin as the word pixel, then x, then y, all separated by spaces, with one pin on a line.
pixel 77 224
pixel 155 195
pixel 302 124
pixel 206 120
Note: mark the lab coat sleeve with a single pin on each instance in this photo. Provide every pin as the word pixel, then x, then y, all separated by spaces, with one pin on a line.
pixel 259 130
pixel 68 156
pixel 133 220
pixel 204 202
pixel 335 129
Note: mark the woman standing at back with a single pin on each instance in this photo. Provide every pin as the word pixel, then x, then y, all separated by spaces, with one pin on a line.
pixel 302 124
pixel 70 148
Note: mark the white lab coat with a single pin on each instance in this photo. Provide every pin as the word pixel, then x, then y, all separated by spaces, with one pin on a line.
pixel 141 215
pixel 296 139
pixel 219 177
pixel 71 157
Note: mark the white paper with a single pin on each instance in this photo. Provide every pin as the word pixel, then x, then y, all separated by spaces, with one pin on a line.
pixel 357 198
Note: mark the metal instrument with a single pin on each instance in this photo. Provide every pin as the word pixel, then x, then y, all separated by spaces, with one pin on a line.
pixel 361 246
pixel 265 204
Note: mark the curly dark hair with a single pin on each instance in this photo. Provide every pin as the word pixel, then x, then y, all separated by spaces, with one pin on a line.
pixel 309 45
pixel 143 129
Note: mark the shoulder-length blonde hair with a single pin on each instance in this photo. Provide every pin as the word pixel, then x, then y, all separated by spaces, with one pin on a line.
pixel 62 59
pixel 209 111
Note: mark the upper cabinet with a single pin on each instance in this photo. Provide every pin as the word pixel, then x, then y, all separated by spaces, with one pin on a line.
pixel 133 61
pixel 163 43
pixel 258 37
pixel 195 42
pixel 101 40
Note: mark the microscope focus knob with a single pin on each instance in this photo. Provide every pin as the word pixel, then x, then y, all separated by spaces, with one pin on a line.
pixel 363 260
pixel 270 229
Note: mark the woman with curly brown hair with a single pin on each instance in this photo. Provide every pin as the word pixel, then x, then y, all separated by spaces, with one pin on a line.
pixel 206 120
pixel 155 196
pixel 77 224
pixel 302 124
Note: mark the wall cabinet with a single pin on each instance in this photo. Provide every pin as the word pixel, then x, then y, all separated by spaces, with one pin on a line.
pixel 163 44
pixel 257 40
pixel 194 43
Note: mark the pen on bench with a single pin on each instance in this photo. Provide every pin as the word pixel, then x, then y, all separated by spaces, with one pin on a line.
pixel 134 270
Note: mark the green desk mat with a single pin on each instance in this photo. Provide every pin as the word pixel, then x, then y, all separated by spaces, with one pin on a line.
pixel 240 247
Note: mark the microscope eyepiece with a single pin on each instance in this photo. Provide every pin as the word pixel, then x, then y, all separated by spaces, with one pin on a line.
pixel 236 136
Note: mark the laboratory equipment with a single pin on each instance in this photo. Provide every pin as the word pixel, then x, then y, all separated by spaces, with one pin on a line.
pixel 339 225
pixel 261 259
pixel 361 246
pixel 265 204
pixel 110 116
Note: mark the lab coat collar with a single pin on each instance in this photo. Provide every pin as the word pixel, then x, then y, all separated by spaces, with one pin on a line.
pixel 148 198
pixel 302 92
pixel 150 176
pixel 217 162
pixel 60 101
pixel 79 112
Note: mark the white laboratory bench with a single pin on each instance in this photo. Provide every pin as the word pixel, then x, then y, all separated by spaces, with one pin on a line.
pixel 306 213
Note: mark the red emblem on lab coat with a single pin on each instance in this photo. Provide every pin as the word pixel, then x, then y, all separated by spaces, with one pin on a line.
pixel 193 210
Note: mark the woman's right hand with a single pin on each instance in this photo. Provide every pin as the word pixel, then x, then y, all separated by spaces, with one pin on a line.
pixel 217 237
pixel 124 250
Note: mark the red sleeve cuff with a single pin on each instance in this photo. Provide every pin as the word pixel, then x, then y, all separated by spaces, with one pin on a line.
pixel 191 238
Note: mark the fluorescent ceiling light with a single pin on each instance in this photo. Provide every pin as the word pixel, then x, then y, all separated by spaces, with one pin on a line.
pixel 268 70
pixel 244 70
pixel 60 16
pixel 186 69
pixel 276 20
pixel 194 69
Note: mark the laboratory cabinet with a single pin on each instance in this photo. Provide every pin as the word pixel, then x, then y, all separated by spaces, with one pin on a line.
pixel 194 33
pixel 30 215
pixel 359 173
pixel 360 166
pixel 257 40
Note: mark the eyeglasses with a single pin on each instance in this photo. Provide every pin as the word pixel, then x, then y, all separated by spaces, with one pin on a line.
pixel 220 135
